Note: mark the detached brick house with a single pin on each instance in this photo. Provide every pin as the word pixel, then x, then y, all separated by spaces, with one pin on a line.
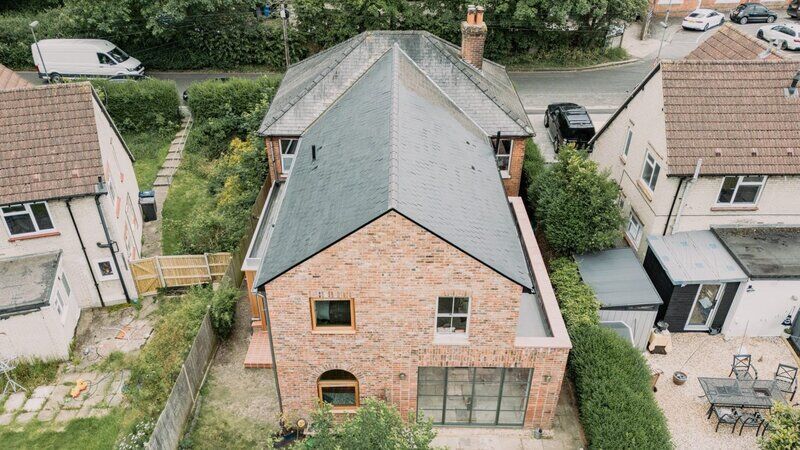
pixel 70 219
pixel 389 261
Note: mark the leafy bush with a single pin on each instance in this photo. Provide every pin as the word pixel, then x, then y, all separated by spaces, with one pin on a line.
pixel 615 398
pixel 223 310
pixel 533 168
pixel 148 104
pixel 16 38
pixel 577 205
pixel 577 300
pixel 784 429
pixel 376 425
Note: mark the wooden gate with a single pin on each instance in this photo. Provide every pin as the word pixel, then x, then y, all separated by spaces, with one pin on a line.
pixel 150 274
pixel 145 276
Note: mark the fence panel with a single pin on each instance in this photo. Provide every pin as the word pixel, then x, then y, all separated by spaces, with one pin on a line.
pixel 217 264
pixel 145 276
pixel 150 274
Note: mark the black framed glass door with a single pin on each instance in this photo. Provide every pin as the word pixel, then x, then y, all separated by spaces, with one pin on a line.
pixel 480 396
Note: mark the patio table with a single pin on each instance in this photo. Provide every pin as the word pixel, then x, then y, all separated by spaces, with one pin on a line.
pixel 757 394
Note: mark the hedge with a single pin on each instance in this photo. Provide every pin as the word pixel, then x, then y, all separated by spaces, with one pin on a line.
pixel 148 104
pixel 578 303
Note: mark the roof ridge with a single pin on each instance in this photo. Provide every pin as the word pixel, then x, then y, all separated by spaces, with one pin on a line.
pixel 394 129
pixel 729 27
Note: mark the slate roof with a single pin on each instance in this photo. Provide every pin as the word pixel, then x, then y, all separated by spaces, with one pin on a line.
pixel 49 146
pixel 617 278
pixel 395 141
pixel 312 85
pixel 27 281
pixel 729 43
pixel 764 251
pixel 10 80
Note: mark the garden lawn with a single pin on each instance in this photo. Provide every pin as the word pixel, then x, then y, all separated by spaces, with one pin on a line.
pixel 80 434
pixel 187 194
pixel 150 149
pixel 31 374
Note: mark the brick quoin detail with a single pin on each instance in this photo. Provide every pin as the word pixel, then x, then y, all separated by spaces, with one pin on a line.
pixel 395 271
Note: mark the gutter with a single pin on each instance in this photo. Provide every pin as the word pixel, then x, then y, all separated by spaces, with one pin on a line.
pixel 85 255
pixel 109 243
pixel 271 348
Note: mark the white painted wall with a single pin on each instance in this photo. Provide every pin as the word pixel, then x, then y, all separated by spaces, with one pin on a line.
pixel 761 312
pixel 43 333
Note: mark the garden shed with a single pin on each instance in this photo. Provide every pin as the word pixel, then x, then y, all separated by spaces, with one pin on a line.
pixel 627 297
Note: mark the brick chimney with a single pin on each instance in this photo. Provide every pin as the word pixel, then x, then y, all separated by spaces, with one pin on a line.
pixel 473 36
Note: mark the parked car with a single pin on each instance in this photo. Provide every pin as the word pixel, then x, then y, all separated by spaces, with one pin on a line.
pixel 73 58
pixel 702 19
pixel 791 10
pixel 786 35
pixel 568 123
pixel 752 12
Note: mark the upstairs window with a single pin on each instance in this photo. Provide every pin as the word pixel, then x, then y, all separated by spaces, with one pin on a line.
pixel 628 139
pixel 452 315
pixel 743 190
pixel 650 172
pixel 29 218
pixel 332 315
pixel 288 152
pixel 634 229
pixel 503 155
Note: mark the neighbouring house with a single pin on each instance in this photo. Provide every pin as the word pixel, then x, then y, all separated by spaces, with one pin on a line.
pixel 390 262
pixel 737 280
pixel 628 301
pixel 67 187
pixel 707 141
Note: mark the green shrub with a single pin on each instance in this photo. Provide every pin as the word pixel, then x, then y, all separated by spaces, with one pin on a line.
pixel 615 398
pixel 223 310
pixel 577 205
pixel 233 97
pixel 16 38
pixel 577 300
pixel 533 169
pixel 784 429
pixel 148 104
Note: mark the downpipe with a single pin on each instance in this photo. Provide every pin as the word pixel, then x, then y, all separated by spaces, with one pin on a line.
pixel 85 255
pixel 110 245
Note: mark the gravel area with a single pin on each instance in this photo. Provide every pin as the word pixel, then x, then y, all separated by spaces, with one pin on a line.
pixel 702 355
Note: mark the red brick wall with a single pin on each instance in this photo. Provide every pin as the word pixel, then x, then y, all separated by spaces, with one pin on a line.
pixel 395 270
pixel 473 39
pixel 512 184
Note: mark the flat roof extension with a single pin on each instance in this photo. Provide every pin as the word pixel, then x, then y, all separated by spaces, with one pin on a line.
pixel 764 251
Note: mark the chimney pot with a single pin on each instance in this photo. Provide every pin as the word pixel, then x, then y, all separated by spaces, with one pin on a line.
pixel 471 14
pixel 473 36
pixel 479 15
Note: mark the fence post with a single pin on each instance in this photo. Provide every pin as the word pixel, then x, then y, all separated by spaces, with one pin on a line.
pixel 208 268
pixel 160 274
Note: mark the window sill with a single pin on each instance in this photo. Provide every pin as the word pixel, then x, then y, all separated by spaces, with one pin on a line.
pixel 352 410
pixel 34 236
pixel 623 159
pixel 334 331
pixel 645 190
pixel 633 244
pixel 505 175
pixel 735 208
pixel 448 339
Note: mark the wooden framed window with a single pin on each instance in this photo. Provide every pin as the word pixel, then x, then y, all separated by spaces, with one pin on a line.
pixel 333 315
pixel 339 388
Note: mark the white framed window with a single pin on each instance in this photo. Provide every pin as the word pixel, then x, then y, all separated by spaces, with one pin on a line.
pixel 503 155
pixel 741 190
pixel 105 269
pixel 452 315
pixel 288 152
pixel 650 172
pixel 628 138
pixel 634 228
pixel 60 306
pixel 27 219
pixel 65 283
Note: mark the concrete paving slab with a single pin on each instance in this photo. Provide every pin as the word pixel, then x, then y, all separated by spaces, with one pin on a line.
pixel 15 401
pixel 65 415
pixel 34 404
pixel 83 412
pixel 42 391
pixel 25 417
pixel 6 418
pixel 46 415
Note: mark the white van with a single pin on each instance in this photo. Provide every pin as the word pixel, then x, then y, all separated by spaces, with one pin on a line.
pixel 65 58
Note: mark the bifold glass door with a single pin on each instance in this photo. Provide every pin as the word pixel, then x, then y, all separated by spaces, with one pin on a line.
pixel 705 306
pixel 473 395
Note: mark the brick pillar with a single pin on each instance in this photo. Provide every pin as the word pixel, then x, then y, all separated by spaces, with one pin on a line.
pixel 473 36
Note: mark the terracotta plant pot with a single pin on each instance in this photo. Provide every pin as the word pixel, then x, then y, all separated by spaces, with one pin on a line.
pixel 679 378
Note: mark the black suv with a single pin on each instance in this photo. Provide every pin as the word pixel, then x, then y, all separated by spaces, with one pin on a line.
pixel 792 8
pixel 568 123
pixel 752 12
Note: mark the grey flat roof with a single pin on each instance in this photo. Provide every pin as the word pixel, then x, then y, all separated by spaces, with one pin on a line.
pixel 532 321
pixel 617 278
pixel 765 251
pixel 26 281
pixel 395 142
pixel 693 257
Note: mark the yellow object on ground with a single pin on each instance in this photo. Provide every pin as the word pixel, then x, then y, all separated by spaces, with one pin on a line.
pixel 80 386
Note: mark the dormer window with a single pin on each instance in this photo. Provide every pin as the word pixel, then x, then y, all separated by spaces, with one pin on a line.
pixel 288 152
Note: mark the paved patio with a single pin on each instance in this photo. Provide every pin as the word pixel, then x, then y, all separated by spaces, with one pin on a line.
pixel 702 355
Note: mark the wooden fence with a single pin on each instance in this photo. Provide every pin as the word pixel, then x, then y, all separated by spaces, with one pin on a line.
pixel 150 274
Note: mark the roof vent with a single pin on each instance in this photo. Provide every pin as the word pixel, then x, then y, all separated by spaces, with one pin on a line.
pixel 753 152
pixel 717 152
pixel 313 152
pixel 791 91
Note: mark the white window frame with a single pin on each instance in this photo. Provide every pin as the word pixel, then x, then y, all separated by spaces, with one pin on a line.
pixel 633 218
pixel 29 213
pixel 739 183
pixel 650 160
pixel 628 138
pixel 497 156
pixel 288 157
pixel 65 284
pixel 452 334
pixel 100 276
pixel 61 306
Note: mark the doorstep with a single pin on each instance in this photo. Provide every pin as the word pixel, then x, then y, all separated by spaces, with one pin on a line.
pixel 259 352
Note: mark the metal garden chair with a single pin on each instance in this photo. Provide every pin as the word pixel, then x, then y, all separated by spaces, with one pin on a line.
pixel 786 379
pixel 726 416
pixel 742 366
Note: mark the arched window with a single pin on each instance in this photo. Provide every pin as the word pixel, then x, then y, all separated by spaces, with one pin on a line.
pixel 339 388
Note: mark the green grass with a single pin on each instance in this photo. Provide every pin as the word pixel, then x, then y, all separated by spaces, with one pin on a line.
pixel 567 58
pixel 33 373
pixel 94 433
pixel 150 150
pixel 187 194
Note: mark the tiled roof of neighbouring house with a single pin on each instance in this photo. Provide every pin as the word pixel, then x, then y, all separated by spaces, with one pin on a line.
pixel 312 85
pixel 10 80
pixel 395 142
pixel 49 147
pixel 735 115
pixel 27 281
pixel 729 43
